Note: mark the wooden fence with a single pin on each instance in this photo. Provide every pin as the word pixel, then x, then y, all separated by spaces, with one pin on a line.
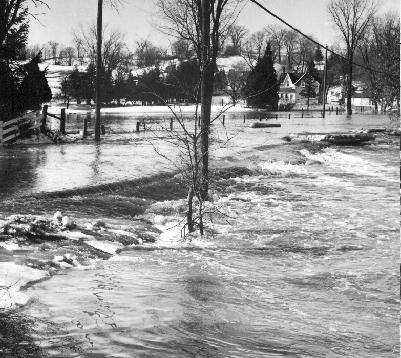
pixel 13 129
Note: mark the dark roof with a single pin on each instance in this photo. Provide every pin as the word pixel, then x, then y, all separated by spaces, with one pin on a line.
pixel 294 77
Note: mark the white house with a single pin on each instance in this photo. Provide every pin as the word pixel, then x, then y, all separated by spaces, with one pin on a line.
pixel 293 85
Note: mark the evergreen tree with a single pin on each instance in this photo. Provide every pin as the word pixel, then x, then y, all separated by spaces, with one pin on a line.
pixel 89 83
pixel 34 89
pixel 150 86
pixel 262 86
pixel 78 85
pixel 183 83
pixel 318 56
pixel 120 85
pixel 131 88
pixel 13 38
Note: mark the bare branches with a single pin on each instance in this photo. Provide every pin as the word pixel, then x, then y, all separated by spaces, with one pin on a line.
pixel 352 18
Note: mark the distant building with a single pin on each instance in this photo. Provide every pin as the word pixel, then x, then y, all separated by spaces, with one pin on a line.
pixel 292 87
pixel 335 95
pixel 360 97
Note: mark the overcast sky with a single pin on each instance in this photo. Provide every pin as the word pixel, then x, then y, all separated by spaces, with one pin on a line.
pixel 137 19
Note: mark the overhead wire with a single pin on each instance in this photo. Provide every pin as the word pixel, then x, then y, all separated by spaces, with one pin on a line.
pixel 312 39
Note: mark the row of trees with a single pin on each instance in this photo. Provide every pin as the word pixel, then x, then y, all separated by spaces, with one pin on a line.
pixel 379 49
pixel 290 48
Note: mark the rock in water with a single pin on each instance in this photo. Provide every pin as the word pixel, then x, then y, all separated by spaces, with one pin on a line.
pixel 349 138
pixel 99 224
pixel 67 222
pixel 57 216
pixel 264 125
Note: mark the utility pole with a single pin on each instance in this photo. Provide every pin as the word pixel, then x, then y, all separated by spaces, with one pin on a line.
pixel 325 83
pixel 98 68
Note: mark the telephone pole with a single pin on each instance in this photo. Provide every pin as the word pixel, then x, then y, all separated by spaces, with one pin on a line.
pixel 98 68
pixel 325 83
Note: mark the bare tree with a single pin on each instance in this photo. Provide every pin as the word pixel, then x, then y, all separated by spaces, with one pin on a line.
pixel 32 51
pixel 54 47
pixel 114 48
pixel 254 47
pixel 304 54
pixel 237 33
pixel 291 44
pixel 68 53
pixel 186 138
pixel 182 49
pixel 78 44
pixel 352 18
pixel 236 80
pixel 204 23
pixel 277 35
pixel 379 49
pixel 148 54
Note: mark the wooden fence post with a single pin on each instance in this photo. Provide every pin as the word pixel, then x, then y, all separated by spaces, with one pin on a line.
pixel 62 121
pixel 171 123
pixel 224 119
pixel 144 125
pixel 86 120
pixel 336 111
pixel 138 125
pixel 44 118
pixel 244 118
pixel 302 112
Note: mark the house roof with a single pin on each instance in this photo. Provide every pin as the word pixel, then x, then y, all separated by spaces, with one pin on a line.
pixel 315 77
pixel 294 77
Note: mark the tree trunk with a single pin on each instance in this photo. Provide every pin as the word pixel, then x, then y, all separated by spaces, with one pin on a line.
pixel 349 84
pixel 190 222
pixel 207 71
pixel 98 68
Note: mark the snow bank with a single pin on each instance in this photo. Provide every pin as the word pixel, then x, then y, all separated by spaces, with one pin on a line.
pixel 13 278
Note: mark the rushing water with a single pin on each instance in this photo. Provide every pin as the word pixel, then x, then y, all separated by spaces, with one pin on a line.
pixel 299 261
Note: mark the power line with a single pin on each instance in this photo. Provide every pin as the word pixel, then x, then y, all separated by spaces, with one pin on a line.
pixel 311 39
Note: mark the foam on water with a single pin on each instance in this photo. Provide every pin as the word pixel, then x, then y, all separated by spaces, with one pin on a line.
pixel 352 164
pixel 282 169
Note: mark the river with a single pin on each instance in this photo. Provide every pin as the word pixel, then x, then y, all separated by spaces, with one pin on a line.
pixel 300 257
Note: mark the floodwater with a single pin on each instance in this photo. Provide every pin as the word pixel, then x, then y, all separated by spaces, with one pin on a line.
pixel 300 259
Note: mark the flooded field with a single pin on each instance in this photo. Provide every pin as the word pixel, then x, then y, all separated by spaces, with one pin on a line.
pixel 300 258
